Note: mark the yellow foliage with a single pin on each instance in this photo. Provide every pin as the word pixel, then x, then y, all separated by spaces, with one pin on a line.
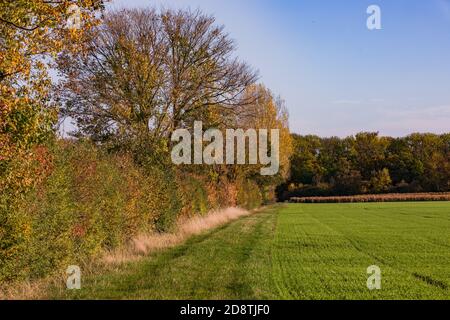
pixel 268 112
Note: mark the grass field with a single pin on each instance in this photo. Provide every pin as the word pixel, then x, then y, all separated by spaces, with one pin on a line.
pixel 296 251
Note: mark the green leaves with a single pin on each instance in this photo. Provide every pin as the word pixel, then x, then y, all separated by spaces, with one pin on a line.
pixel 368 163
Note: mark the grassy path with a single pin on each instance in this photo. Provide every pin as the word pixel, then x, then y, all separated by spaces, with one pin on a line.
pixel 297 251
pixel 231 262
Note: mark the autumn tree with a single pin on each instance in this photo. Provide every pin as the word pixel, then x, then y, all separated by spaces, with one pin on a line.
pixel 380 181
pixel 431 160
pixel 265 111
pixel 368 163
pixel 149 72
pixel 400 161
pixel 305 167
pixel 348 179
pixel 31 34
pixel 370 151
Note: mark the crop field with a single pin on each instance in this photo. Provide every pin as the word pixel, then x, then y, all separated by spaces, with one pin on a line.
pixel 415 197
pixel 296 251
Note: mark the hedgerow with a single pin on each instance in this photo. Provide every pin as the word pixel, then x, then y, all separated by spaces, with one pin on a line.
pixel 94 200
pixel 90 202
pixel 65 201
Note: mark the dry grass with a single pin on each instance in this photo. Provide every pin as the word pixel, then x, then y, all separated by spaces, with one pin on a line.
pixel 376 198
pixel 38 288
pixel 24 290
pixel 148 243
pixel 139 247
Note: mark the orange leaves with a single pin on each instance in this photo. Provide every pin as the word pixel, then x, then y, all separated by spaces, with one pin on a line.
pixel 30 31
pixel 23 161
pixel 22 170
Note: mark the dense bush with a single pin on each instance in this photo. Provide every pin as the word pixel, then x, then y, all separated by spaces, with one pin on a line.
pixel 194 195
pixel 91 201
pixel 64 201
pixel 95 200
pixel 249 194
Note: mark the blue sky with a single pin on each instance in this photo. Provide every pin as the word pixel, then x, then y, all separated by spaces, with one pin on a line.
pixel 337 77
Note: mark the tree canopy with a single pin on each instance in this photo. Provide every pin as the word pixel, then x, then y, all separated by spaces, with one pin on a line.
pixel 148 73
pixel 368 163
pixel 31 34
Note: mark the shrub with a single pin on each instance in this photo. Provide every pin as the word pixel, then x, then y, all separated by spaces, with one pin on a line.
pixel 167 198
pixel 90 202
pixel 248 194
pixel 94 200
pixel 194 195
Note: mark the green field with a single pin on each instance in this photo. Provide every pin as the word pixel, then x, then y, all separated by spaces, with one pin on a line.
pixel 298 251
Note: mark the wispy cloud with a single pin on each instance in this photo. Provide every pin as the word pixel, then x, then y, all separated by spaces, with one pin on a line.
pixel 432 119
pixel 347 102
pixel 435 112
pixel 357 102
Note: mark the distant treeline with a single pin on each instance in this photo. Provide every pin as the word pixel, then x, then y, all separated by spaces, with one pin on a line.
pixel 368 163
